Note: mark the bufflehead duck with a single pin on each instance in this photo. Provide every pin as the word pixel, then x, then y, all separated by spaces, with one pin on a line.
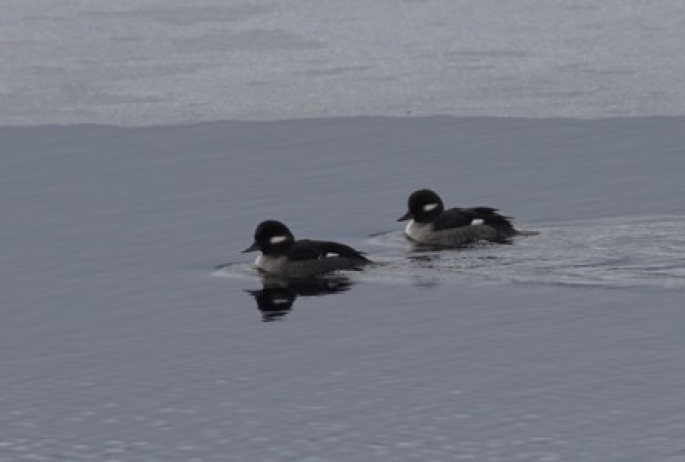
pixel 283 256
pixel 432 225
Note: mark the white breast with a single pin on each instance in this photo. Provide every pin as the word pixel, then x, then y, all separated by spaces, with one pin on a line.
pixel 270 264
pixel 417 231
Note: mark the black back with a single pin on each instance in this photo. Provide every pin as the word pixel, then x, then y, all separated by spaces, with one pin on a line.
pixel 307 249
pixel 455 218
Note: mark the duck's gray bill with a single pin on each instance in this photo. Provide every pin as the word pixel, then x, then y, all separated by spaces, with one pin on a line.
pixel 253 248
pixel 405 217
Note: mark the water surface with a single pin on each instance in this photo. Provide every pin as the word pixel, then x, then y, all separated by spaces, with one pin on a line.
pixel 120 340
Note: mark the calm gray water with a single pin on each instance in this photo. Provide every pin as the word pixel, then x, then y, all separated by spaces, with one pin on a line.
pixel 120 340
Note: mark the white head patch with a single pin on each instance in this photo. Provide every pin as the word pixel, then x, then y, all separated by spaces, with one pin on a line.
pixel 278 239
pixel 429 207
pixel 477 221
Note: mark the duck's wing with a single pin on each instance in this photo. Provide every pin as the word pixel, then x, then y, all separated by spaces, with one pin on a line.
pixel 329 248
pixel 490 217
pixel 303 250
pixel 482 210
pixel 460 217
pixel 313 258
pixel 453 218
pixel 307 249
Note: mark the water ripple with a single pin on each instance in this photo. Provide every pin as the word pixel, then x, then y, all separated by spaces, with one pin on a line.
pixel 610 252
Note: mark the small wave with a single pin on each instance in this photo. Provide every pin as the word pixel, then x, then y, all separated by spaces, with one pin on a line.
pixel 236 271
pixel 612 252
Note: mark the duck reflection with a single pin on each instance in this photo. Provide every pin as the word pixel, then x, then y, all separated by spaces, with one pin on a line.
pixel 277 296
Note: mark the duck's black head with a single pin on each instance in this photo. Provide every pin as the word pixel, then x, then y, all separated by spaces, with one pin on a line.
pixel 271 237
pixel 424 206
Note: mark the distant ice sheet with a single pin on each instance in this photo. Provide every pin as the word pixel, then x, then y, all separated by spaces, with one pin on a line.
pixel 149 62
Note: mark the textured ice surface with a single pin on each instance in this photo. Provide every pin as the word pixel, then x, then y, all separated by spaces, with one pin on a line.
pixel 117 341
pixel 142 62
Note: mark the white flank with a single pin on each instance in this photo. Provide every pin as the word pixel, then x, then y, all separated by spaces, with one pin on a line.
pixel 280 301
pixel 477 221
pixel 278 239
